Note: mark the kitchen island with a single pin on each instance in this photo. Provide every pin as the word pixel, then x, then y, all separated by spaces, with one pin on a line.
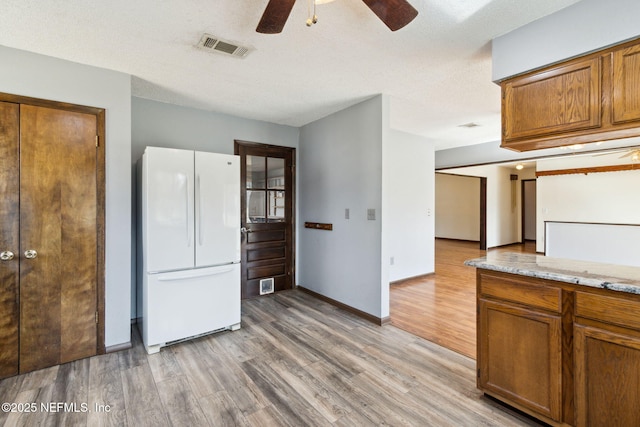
pixel 558 338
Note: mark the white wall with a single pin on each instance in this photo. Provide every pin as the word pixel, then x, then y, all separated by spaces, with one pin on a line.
pixel 583 27
pixel 340 167
pixel 38 76
pixel 457 207
pixel 503 218
pixel 408 205
pixel 172 126
pixel 606 197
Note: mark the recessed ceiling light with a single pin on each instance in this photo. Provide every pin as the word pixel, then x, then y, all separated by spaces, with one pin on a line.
pixel 519 166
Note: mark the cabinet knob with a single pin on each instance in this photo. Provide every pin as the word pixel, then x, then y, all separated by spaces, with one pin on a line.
pixel 30 254
pixel 6 255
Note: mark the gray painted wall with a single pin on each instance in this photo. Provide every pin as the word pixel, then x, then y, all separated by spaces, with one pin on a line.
pixel 172 126
pixel 39 76
pixel 340 167
pixel 580 28
pixel 166 125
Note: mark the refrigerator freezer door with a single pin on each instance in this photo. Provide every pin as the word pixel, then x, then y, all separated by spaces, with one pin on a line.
pixel 217 208
pixel 187 303
pixel 167 209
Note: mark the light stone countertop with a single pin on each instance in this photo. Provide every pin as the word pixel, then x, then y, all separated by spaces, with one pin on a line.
pixel 620 278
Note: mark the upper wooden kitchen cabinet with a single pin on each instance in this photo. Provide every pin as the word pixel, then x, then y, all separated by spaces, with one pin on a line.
pixel 626 84
pixel 588 99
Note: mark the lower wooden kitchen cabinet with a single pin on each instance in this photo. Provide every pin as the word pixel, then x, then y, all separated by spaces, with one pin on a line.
pixel 521 356
pixel 607 361
pixel 565 354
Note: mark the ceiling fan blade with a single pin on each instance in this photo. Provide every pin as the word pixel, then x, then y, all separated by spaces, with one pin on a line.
pixel 275 16
pixel 631 153
pixel 394 13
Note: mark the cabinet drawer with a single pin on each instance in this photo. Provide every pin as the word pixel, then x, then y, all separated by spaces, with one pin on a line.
pixel 618 311
pixel 527 292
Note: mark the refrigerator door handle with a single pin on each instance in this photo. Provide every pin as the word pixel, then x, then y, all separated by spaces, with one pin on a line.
pixel 192 274
pixel 199 211
pixel 186 206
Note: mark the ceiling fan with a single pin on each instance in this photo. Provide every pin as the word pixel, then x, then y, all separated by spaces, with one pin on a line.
pixel 394 13
pixel 633 152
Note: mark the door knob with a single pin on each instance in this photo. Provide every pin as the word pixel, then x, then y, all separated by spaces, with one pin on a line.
pixel 6 255
pixel 30 254
pixel 245 230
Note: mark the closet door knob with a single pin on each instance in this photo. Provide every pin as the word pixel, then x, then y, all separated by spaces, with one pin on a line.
pixel 30 254
pixel 6 255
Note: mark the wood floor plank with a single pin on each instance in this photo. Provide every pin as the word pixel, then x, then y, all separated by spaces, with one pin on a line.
pixel 268 417
pixel 106 396
pixel 142 401
pixel 312 389
pixel 197 369
pixel 285 399
pixel 221 410
pixel 71 387
pixel 164 365
pixel 9 389
pixel 246 395
pixel 180 403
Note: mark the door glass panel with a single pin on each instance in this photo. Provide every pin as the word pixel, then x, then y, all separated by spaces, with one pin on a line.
pixel 255 206
pixel 276 206
pixel 275 173
pixel 255 171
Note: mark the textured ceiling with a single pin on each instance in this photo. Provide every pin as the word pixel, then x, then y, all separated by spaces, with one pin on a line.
pixel 437 70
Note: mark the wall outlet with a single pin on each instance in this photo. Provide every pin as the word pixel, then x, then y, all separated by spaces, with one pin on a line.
pixel 346 213
pixel 392 260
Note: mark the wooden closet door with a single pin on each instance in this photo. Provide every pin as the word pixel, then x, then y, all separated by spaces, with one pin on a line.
pixel 9 237
pixel 58 299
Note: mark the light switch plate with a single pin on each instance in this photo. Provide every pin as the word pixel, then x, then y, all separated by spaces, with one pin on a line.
pixel 371 214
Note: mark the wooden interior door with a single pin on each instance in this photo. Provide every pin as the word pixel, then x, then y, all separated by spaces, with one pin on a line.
pixel 267 221
pixel 9 237
pixel 58 223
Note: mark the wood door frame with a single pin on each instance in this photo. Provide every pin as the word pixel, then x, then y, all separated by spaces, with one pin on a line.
pixel 292 226
pixel 99 113
pixel 483 213
pixel 522 208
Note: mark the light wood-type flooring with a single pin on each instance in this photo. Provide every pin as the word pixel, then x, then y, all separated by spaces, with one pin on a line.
pixel 442 307
pixel 297 361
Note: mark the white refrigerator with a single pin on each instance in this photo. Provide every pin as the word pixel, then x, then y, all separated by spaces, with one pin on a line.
pixel 189 233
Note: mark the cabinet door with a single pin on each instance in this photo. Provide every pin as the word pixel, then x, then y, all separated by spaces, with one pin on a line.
pixel 626 84
pixel 520 356
pixel 561 99
pixel 607 377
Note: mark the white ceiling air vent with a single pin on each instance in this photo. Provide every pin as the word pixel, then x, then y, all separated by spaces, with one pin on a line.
pixel 215 44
